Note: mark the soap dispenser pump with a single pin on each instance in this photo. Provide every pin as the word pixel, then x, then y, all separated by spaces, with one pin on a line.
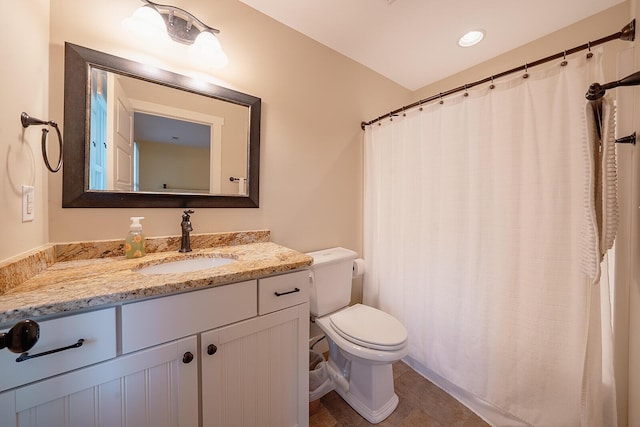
pixel 135 241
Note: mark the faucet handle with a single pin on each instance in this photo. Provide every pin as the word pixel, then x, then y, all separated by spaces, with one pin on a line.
pixel 186 214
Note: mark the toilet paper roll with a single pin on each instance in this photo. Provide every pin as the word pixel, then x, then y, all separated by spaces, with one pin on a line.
pixel 358 267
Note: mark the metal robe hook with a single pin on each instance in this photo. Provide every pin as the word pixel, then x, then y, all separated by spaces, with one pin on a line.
pixel 27 121
pixel 564 63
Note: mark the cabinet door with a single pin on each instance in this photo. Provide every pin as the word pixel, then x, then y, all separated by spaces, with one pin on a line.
pixel 153 387
pixel 258 373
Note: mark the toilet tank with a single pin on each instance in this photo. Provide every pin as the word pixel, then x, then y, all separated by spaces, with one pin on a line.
pixel 332 271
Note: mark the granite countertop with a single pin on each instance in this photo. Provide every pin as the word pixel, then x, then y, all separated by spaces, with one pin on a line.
pixel 84 282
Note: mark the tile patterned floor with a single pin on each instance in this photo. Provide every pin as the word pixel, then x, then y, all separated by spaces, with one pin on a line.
pixel 422 404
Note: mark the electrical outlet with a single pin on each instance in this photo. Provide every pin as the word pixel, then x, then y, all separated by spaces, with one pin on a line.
pixel 28 203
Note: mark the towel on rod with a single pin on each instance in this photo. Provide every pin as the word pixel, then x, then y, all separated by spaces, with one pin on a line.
pixel 600 221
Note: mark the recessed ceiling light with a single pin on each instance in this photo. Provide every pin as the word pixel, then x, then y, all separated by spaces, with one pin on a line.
pixel 471 38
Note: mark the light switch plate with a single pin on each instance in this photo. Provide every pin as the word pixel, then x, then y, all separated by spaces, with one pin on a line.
pixel 28 203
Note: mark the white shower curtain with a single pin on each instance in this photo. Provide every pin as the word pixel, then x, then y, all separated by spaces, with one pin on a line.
pixel 472 214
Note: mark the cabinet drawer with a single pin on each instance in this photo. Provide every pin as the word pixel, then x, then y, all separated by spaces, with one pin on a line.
pixel 96 328
pixel 163 319
pixel 286 290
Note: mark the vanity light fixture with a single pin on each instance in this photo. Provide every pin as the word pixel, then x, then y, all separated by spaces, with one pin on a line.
pixel 471 38
pixel 164 22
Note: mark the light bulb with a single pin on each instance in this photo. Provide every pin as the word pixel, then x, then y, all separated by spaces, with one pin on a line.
pixel 206 50
pixel 147 24
pixel 471 38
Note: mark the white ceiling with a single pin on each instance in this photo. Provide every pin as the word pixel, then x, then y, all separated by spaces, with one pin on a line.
pixel 165 130
pixel 414 42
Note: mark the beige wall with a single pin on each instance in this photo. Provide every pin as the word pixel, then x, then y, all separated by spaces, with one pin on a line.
pixel 24 49
pixel 311 149
pixel 179 167
pixel 630 270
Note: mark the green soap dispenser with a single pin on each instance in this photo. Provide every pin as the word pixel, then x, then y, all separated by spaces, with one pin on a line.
pixel 134 243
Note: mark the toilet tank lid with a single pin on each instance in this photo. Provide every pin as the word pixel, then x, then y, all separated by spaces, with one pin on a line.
pixel 327 256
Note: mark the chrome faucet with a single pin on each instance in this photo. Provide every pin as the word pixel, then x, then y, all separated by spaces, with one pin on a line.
pixel 185 245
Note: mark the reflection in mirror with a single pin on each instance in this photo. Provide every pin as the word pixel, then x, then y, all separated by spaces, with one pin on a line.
pixel 153 138
pixel 188 146
pixel 173 155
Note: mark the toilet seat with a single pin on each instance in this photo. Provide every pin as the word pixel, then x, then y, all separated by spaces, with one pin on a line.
pixel 369 327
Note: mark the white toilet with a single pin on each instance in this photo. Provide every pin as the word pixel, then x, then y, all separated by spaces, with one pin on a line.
pixel 363 341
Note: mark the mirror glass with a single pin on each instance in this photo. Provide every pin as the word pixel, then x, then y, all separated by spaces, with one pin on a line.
pixel 139 136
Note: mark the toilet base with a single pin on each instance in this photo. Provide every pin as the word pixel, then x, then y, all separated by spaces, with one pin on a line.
pixel 367 388
pixel 373 416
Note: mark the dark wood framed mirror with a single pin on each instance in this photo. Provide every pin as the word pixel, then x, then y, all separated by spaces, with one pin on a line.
pixel 121 178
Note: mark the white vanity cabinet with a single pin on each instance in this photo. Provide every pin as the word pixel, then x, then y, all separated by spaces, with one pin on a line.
pixel 255 372
pixel 153 387
pixel 232 355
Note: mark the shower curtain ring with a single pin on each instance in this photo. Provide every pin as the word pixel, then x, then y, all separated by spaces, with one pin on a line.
pixel 526 71
pixel 589 53
pixel 420 105
pixel 564 63
pixel 403 113
pixel 465 91
pixel 492 86
pixel 440 96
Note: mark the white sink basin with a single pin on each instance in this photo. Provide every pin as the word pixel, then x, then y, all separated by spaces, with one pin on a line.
pixel 186 265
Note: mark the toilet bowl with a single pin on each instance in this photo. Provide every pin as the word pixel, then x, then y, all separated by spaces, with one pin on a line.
pixel 366 333
pixel 363 341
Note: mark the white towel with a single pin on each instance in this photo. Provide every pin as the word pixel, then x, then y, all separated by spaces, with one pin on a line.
pixel 600 190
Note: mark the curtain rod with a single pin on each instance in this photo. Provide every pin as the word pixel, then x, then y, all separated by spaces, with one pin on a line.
pixel 626 34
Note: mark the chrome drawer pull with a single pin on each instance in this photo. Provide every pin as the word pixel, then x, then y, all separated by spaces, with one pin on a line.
pixel 278 294
pixel 26 356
